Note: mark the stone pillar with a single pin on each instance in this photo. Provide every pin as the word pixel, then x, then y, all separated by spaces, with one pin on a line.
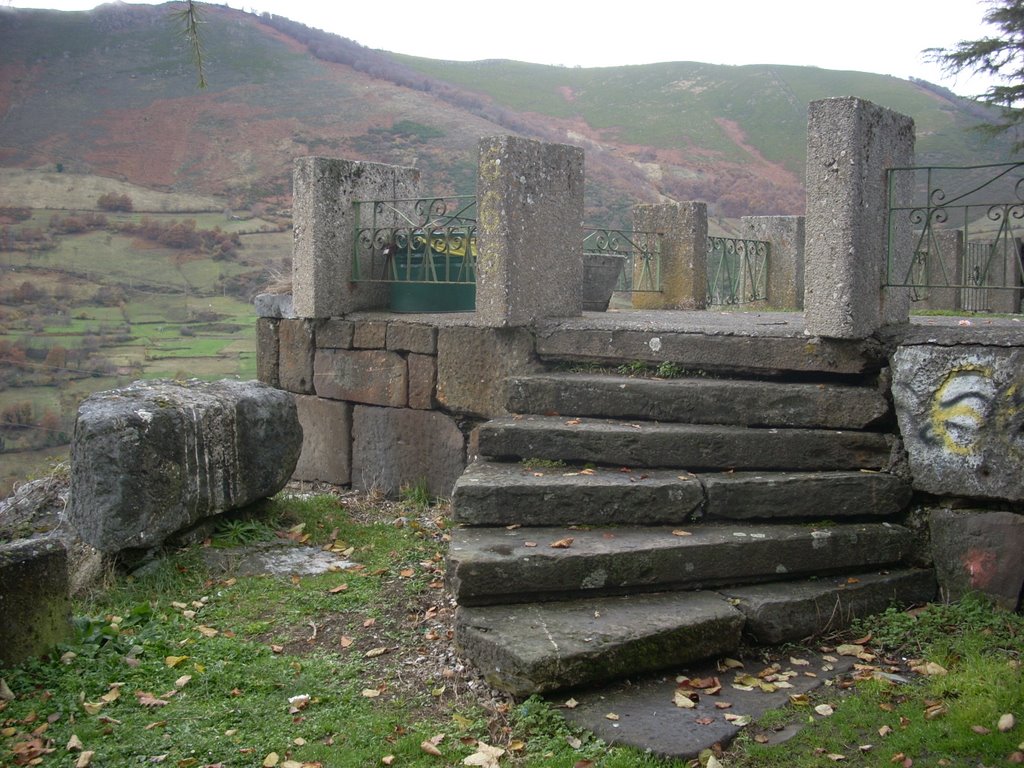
pixel 1006 268
pixel 945 267
pixel 324 227
pixel 530 214
pixel 850 144
pixel 684 265
pixel 785 283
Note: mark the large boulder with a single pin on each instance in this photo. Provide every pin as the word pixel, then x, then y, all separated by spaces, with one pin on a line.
pixel 156 457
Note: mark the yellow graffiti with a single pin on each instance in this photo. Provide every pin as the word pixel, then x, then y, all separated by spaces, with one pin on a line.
pixel 960 408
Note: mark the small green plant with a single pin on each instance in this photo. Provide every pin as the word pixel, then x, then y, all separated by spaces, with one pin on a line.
pixel 417 495
pixel 634 368
pixel 238 533
pixel 669 370
pixel 537 463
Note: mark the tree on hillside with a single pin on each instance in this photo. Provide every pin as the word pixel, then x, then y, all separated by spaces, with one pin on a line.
pixel 1001 56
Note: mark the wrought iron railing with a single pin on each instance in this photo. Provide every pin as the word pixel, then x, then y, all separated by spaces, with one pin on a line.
pixel 422 240
pixel 968 225
pixel 737 270
pixel 641 271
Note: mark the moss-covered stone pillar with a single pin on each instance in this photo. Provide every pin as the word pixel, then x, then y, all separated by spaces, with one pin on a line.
pixel 684 268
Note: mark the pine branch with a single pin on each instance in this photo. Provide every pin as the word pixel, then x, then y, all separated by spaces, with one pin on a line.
pixel 189 16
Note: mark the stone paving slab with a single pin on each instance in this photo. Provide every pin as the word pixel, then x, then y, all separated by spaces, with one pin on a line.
pixel 696 400
pixel 531 648
pixel 690 446
pixel 648 719
pixel 490 493
pixel 496 565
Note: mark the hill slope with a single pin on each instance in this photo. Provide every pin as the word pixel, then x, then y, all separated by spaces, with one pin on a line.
pixel 112 92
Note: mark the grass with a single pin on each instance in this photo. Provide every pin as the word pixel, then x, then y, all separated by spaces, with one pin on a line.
pixel 191 663
pixel 940 719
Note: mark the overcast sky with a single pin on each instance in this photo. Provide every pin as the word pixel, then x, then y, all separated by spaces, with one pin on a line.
pixel 883 36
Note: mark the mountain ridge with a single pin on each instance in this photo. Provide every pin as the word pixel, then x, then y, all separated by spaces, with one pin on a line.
pixel 112 92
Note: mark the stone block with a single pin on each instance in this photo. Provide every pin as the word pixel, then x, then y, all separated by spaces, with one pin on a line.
pixel 157 457
pixel 961 413
pixel 473 365
pixel 979 551
pixel 295 356
pixel 326 440
pixel 33 599
pixel 410 337
pixel 850 145
pixel 275 305
pixel 334 333
pixel 324 228
pixel 684 270
pixel 371 376
pixel 394 448
pixel 370 334
pixel 785 284
pixel 422 381
pixel 268 369
pixel 530 209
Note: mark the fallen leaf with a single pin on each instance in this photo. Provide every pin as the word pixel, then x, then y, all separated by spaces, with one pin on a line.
pixel 337 589
pixel 430 745
pixel 516 745
pixel 884 731
pixel 1006 723
pixel 371 693
pixel 1016 758
pixel 834 757
pixel 562 543
pixel 173 661
pixel 723 705
pixel 388 759
pixel 799 699
pixel 84 759
pixel 681 532
pixel 927 667
pixel 737 720
pixel 346 641
pixel 485 756
pixel 611 716
pixel 207 631
pixel 850 649
pixel 529 543
pixel 799 662
pixel 573 742
pixel 277 648
pixel 182 681
pixel 980 729
pixel 147 699
pixel 824 710
pixel 74 744
pixel 866 747
pixel 407 573
pixel 270 760
pixel 571 704
pixel 728 663
pixel 935 710
pixel 375 652
pixel 682 700
pixel 712 762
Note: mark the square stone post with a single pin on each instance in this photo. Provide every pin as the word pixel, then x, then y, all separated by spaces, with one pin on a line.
pixel 529 219
pixel 684 262
pixel 1006 273
pixel 945 266
pixel 850 144
pixel 785 284
pixel 324 229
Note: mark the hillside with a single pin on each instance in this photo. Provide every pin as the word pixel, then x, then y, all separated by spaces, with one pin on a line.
pixel 112 92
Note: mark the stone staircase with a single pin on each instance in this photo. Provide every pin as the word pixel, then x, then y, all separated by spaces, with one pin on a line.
pixel 621 525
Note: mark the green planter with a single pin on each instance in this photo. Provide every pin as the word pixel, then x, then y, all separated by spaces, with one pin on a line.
pixel 417 288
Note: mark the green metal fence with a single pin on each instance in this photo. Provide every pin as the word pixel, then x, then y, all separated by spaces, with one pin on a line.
pixel 968 225
pixel 737 270
pixel 641 271
pixel 421 240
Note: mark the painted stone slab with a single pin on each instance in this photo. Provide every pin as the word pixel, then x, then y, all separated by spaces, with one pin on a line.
pixel 961 413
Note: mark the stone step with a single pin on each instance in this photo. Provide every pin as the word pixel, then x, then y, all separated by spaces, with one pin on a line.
pixel 700 400
pixel 496 493
pixel 793 611
pixel 539 647
pixel 711 341
pixel 689 446
pixel 488 566
pixel 526 649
